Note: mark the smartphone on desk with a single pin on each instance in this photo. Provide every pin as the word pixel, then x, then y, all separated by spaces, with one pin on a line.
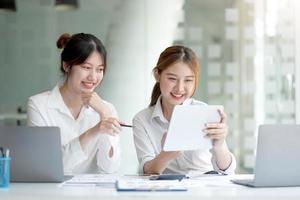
pixel 167 177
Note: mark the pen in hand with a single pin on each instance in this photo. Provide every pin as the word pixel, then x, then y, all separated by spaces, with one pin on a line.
pixel 126 125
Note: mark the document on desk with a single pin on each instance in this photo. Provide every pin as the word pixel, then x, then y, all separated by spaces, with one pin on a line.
pixel 92 180
pixel 148 185
pixel 208 180
pixel 186 127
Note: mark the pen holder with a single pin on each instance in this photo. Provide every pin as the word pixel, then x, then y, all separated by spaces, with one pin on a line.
pixel 4 172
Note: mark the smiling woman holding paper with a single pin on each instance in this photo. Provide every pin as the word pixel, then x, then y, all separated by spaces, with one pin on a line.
pixel 88 124
pixel 176 75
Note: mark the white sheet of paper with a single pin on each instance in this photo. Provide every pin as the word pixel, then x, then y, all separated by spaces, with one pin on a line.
pixel 186 125
pixel 148 185
pixel 92 180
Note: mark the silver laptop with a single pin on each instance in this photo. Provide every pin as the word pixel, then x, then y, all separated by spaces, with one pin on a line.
pixel 35 152
pixel 278 157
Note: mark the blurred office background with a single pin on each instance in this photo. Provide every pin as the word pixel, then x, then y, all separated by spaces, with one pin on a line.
pixel 248 49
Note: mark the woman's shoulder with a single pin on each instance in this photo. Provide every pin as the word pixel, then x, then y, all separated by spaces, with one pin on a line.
pixel 40 97
pixel 39 101
pixel 144 114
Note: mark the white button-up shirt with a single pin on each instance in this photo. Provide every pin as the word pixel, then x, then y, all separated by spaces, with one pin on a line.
pixel 49 109
pixel 149 126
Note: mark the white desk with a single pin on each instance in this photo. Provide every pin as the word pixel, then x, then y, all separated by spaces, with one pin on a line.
pixel 32 191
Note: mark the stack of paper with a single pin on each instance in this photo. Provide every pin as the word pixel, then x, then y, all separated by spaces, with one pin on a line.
pixel 148 185
pixel 106 181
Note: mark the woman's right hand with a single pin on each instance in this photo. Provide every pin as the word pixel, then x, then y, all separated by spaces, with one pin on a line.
pixel 109 126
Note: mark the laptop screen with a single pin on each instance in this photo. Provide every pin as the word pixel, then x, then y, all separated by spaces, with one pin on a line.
pixel 35 152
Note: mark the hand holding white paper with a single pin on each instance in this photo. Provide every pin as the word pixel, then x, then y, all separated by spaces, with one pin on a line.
pixel 186 127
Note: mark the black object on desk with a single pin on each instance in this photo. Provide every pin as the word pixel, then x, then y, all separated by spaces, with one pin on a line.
pixel 211 172
pixel 167 177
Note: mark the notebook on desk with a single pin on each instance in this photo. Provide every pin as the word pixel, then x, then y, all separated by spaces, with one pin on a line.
pixel 277 158
pixel 36 154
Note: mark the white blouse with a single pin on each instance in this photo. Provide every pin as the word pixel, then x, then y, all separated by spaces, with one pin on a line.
pixel 149 125
pixel 49 109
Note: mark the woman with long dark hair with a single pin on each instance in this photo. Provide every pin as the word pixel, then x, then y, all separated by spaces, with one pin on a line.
pixel 176 75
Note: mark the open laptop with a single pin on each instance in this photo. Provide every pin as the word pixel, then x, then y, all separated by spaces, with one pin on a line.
pixel 278 157
pixel 35 152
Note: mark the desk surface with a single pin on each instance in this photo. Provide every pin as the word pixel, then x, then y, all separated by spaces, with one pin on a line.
pixel 216 188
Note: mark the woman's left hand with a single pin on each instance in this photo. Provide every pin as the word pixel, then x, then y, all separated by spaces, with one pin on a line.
pixel 217 131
